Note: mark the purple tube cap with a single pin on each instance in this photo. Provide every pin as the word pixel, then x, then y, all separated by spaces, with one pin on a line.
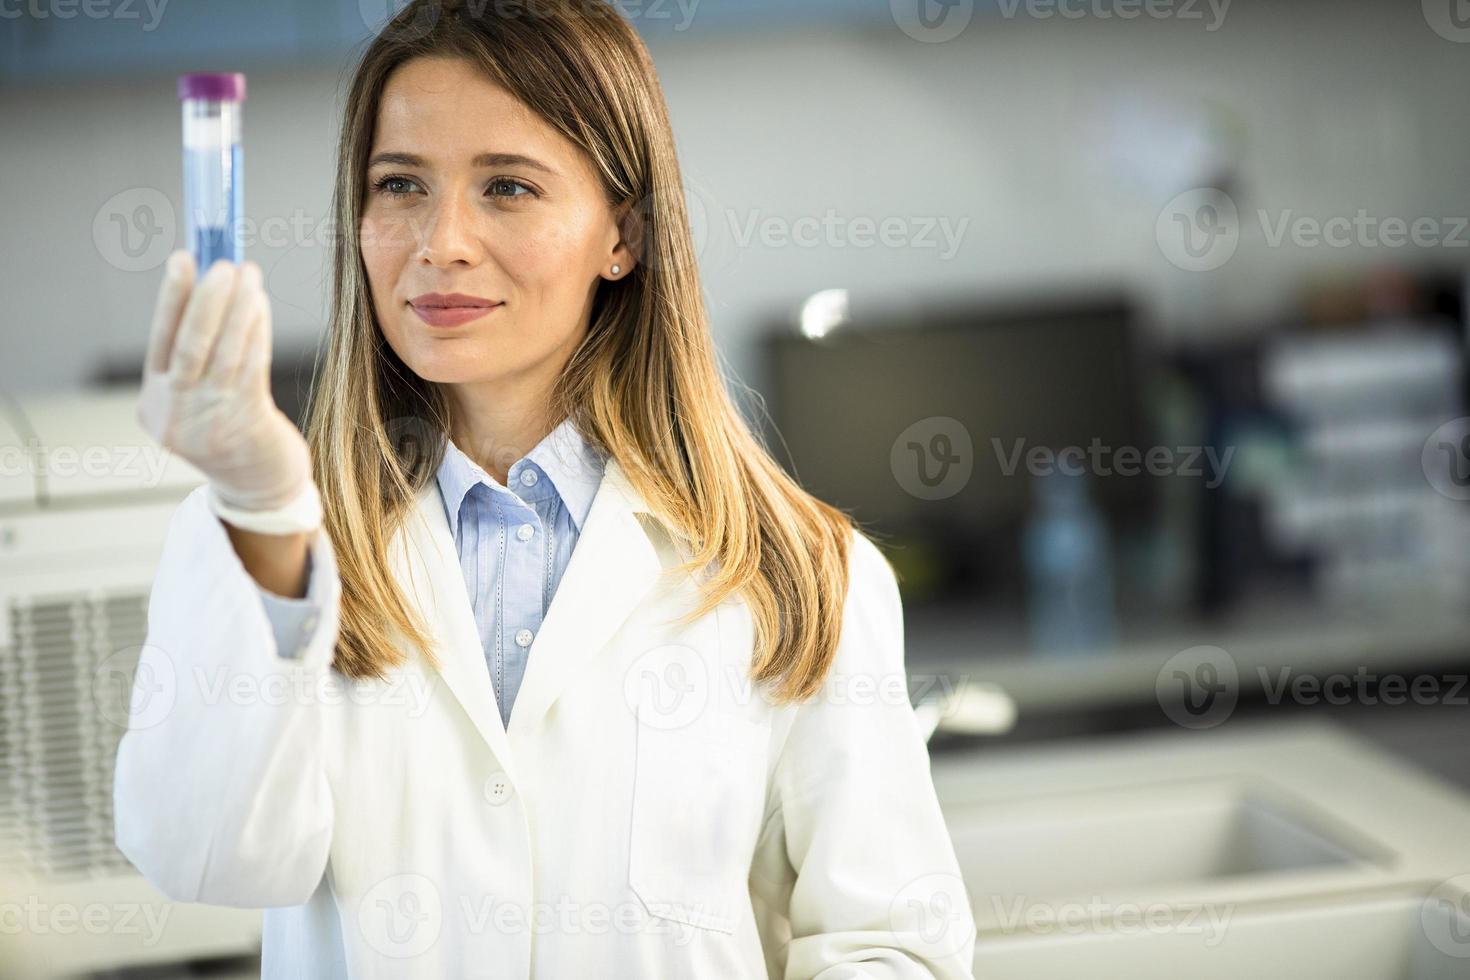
pixel 215 86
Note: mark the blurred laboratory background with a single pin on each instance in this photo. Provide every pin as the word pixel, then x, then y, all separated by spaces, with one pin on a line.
pixel 1133 330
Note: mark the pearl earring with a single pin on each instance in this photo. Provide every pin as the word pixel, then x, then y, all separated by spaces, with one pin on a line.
pixel 617 269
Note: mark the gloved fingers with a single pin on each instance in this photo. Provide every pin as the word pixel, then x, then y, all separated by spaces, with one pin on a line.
pixel 173 293
pixel 226 359
pixel 203 317
pixel 255 365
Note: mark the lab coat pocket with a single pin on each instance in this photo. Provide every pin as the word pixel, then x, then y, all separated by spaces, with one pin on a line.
pixel 697 795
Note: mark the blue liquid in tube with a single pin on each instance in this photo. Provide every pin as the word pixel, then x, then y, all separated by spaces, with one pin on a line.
pixel 217 205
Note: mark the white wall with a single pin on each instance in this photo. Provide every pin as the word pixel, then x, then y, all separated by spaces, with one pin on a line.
pixel 1017 126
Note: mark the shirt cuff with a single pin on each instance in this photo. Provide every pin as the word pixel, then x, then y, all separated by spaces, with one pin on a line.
pixel 292 620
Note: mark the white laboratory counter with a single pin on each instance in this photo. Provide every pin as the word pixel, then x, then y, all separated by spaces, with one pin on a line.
pixel 1288 850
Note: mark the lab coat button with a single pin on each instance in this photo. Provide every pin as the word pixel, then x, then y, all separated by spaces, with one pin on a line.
pixel 525 531
pixel 523 638
pixel 497 789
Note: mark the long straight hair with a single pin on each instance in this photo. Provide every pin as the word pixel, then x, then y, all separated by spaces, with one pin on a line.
pixel 643 386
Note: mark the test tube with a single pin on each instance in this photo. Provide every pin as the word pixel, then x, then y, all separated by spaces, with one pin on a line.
pixel 213 184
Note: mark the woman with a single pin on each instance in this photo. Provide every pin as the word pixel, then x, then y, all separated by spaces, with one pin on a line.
pixel 359 706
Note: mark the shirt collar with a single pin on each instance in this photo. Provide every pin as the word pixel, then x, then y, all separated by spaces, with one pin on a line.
pixel 566 465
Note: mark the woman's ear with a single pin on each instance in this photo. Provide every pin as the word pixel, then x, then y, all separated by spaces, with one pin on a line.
pixel 632 227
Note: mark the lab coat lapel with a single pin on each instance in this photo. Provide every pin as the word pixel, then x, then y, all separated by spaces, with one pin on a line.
pixel 613 566
pixel 432 560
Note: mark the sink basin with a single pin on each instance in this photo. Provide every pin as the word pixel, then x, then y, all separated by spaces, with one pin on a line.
pixel 1400 937
pixel 1270 852
pixel 1105 844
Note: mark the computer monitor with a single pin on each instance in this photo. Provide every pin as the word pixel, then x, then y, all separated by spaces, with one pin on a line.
pixel 871 416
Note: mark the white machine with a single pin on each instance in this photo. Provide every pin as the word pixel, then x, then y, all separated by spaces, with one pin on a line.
pixel 85 499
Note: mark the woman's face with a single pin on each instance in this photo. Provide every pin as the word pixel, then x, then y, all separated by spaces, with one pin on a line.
pixel 484 231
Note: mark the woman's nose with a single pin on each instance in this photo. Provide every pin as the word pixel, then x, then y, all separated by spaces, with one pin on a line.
pixel 452 233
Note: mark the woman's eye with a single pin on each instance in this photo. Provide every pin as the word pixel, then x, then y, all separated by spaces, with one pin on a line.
pixel 394 186
pixel 498 185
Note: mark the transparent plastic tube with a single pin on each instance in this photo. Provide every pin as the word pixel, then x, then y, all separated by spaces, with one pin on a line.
pixel 213 180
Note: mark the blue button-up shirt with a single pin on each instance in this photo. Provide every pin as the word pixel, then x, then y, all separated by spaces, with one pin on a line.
pixel 515 540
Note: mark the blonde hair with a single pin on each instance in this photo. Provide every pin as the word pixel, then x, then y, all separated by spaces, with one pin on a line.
pixel 642 387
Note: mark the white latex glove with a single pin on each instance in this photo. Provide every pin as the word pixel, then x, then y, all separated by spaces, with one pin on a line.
pixel 206 385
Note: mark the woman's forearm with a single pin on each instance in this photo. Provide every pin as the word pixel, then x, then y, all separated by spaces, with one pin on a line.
pixel 277 562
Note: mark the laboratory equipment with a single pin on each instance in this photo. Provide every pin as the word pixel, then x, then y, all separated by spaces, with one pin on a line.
pixel 213 181
pixel 1068 567
pixel 85 501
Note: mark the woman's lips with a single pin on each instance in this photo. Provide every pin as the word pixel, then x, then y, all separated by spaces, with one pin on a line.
pixel 452 316
pixel 451 309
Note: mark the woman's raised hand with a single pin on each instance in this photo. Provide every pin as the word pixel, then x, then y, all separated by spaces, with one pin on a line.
pixel 206 385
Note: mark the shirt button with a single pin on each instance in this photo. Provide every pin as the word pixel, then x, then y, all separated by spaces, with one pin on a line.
pixel 523 638
pixel 525 531
pixel 497 789
pixel 528 478
pixel 309 624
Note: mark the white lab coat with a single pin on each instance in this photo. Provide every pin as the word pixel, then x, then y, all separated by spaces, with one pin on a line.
pixel 646 815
